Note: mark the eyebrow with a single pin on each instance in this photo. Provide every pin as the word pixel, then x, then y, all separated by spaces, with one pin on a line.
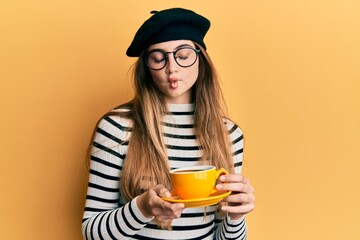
pixel 176 48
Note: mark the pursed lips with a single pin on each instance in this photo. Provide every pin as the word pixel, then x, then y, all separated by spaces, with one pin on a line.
pixel 173 82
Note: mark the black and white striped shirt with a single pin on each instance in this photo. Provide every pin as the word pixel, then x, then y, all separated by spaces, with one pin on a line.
pixel 108 216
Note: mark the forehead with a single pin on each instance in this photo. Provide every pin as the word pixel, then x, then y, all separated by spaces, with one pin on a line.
pixel 171 45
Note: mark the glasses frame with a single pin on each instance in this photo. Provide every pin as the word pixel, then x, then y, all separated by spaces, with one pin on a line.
pixel 166 54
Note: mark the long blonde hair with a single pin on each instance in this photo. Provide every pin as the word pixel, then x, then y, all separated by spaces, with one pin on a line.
pixel 146 163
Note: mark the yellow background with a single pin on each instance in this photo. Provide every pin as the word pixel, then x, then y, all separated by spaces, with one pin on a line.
pixel 290 71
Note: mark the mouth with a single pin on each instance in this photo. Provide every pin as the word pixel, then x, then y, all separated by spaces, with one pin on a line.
pixel 173 79
pixel 173 82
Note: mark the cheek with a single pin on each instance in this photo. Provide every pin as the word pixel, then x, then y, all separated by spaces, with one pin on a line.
pixel 157 76
pixel 153 74
pixel 193 73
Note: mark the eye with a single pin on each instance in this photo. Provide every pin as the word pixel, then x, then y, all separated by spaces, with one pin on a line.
pixel 156 57
pixel 184 53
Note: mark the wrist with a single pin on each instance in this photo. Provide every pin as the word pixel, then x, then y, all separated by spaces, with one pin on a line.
pixel 140 202
pixel 235 217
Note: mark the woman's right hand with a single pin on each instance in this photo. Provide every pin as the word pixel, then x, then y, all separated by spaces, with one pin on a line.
pixel 151 205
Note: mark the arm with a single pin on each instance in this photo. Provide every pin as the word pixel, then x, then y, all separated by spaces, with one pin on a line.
pixel 240 202
pixel 105 217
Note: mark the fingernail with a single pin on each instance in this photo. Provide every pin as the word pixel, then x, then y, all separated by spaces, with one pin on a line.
pixel 219 186
pixel 222 178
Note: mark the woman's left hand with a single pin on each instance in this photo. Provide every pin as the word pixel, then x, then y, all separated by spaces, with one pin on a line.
pixel 241 200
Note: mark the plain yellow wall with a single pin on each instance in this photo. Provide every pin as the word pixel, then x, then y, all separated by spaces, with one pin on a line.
pixel 290 71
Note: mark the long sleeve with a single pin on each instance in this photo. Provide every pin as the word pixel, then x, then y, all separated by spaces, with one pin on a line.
pixel 105 216
pixel 227 228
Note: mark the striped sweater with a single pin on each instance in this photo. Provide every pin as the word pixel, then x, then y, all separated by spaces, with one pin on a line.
pixel 108 216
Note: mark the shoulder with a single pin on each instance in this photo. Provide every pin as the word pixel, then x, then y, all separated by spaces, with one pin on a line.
pixel 119 117
pixel 116 122
pixel 232 127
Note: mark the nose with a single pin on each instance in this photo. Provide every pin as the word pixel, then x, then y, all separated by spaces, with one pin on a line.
pixel 171 65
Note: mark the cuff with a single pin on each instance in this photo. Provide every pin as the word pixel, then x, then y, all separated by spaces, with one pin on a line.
pixel 138 213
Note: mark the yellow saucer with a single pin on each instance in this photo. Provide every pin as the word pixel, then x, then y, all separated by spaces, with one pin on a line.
pixel 198 202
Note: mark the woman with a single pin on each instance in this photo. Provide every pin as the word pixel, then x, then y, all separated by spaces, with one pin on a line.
pixel 176 119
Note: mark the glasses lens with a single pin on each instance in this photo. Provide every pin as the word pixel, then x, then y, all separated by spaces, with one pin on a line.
pixel 156 59
pixel 185 57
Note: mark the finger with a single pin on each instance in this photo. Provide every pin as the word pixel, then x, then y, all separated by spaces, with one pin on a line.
pixel 235 187
pixel 234 178
pixel 240 198
pixel 169 210
pixel 231 178
pixel 178 208
pixel 174 207
pixel 162 191
pixel 246 180
pixel 240 209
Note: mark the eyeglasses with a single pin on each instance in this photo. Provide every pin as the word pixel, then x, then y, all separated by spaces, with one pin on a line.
pixel 185 57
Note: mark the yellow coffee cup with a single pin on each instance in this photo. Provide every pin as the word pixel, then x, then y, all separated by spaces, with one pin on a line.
pixel 195 182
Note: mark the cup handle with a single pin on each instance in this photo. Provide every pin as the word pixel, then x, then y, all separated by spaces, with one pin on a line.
pixel 221 171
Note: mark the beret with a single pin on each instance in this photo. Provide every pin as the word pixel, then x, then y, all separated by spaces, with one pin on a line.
pixel 166 25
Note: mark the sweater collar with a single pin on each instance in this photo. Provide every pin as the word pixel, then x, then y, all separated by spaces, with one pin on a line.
pixel 190 107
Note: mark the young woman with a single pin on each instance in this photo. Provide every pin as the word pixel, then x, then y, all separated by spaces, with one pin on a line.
pixel 176 119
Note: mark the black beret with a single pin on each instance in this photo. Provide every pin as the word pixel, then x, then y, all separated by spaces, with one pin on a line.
pixel 167 25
